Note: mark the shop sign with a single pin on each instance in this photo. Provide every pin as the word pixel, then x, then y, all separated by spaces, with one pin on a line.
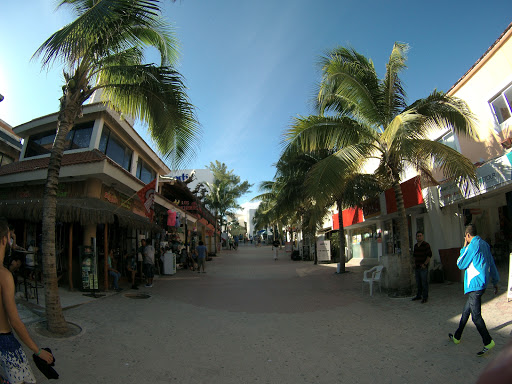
pixel 490 175
pixel 187 206
pixel 323 250
pixel 111 197
pixel 126 201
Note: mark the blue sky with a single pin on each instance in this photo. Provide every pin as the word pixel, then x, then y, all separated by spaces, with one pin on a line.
pixel 251 66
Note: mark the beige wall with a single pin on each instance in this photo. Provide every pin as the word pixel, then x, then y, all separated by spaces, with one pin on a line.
pixel 488 78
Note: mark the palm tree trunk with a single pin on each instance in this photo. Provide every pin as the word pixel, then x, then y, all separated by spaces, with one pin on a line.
pixel 56 322
pixel 341 236
pixel 404 258
pixel 54 315
pixel 215 234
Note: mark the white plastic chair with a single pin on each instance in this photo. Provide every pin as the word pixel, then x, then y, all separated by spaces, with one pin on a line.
pixel 373 276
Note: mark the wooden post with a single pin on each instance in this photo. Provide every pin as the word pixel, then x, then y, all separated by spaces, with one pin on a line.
pixel 105 264
pixel 70 257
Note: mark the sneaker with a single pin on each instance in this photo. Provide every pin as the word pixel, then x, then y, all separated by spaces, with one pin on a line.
pixel 486 349
pixel 452 338
pixel 148 285
pixel 416 298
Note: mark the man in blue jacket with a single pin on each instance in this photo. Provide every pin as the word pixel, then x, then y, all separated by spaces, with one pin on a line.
pixel 479 268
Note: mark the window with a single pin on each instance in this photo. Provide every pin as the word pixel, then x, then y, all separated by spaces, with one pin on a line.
pixel 501 105
pixel 4 159
pixel 450 140
pixel 112 146
pixel 144 172
pixel 78 137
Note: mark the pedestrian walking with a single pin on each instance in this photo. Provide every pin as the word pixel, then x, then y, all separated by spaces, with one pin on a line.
pixel 116 275
pixel 149 262
pixel 422 255
pixel 12 357
pixel 479 268
pixel 275 247
pixel 201 256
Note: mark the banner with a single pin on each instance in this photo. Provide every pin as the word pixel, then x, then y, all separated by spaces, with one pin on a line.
pixel 147 196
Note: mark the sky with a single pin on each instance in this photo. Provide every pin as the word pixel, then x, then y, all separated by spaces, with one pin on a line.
pixel 252 66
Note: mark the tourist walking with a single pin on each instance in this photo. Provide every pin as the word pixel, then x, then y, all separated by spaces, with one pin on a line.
pixel 422 255
pixel 201 257
pixel 149 262
pixel 479 268
pixel 275 247
pixel 116 275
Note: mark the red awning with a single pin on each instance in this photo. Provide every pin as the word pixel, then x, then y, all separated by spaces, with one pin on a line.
pixel 351 216
pixel 411 191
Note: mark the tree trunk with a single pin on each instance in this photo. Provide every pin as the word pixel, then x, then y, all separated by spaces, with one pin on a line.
pixel 54 316
pixel 341 237
pixel 215 234
pixel 404 258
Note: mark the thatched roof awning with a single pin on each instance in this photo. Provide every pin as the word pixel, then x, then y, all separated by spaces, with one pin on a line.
pixel 70 210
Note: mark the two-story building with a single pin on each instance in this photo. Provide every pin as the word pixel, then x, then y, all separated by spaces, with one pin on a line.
pixel 105 163
pixel 442 211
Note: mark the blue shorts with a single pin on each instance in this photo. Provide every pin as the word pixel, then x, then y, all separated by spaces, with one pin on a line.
pixel 13 360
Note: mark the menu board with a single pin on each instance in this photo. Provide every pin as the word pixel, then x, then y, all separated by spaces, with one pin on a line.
pixel 323 250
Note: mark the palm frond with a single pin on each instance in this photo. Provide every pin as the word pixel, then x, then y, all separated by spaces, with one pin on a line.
pixel 394 96
pixel 156 95
pixel 324 132
pixel 445 111
pixel 102 27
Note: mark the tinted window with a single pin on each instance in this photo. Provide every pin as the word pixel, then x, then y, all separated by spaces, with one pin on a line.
pixel 78 137
pixel 144 172
pixel 114 148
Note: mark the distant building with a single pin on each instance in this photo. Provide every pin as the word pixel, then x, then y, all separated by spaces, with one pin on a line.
pixel 198 176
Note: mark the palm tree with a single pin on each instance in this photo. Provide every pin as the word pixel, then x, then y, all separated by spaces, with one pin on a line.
pixel 103 49
pixel 286 200
pixel 327 183
pixel 369 126
pixel 224 192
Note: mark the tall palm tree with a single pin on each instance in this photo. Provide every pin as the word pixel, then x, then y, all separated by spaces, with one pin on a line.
pixel 103 49
pixel 224 192
pixel 328 183
pixel 370 127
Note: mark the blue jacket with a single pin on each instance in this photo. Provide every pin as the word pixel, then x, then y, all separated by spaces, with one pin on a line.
pixel 478 263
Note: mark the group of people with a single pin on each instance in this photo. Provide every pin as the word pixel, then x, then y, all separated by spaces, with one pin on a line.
pixel 147 253
pixel 479 269
pixel 196 259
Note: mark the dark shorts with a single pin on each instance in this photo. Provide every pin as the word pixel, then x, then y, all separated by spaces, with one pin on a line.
pixel 149 270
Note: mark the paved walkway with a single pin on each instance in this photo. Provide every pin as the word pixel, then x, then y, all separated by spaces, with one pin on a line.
pixel 252 320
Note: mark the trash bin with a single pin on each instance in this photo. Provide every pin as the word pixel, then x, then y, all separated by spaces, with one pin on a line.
pixel 169 263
